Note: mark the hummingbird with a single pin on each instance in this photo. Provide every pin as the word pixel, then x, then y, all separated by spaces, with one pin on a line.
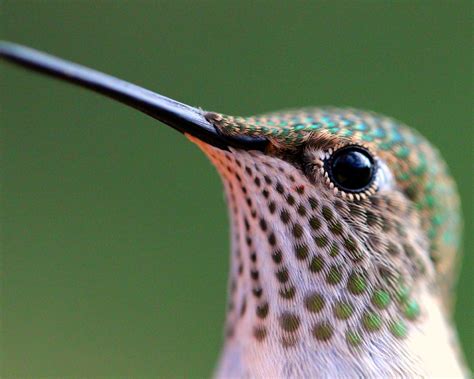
pixel 345 235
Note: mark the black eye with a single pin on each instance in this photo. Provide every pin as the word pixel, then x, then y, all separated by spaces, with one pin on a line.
pixel 351 169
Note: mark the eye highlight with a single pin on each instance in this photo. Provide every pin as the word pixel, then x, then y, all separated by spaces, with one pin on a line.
pixel 351 169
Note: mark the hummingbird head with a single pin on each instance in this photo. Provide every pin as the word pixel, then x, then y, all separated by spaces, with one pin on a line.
pixel 345 232
pixel 338 225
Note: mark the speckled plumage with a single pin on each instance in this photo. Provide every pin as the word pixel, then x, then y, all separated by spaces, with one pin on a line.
pixel 328 283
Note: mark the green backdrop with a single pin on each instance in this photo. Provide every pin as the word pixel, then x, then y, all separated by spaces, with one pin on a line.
pixel 114 230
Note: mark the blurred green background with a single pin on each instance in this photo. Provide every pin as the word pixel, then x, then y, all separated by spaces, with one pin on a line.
pixel 114 229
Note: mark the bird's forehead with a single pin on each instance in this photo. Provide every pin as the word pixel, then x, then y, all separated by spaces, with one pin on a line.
pixel 292 129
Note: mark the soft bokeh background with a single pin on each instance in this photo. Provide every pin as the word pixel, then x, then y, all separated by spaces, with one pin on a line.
pixel 114 229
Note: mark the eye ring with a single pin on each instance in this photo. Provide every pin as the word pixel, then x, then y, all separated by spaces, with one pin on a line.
pixel 352 169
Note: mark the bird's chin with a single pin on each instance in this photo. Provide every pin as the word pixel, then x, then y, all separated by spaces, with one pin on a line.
pixel 215 154
pixel 202 145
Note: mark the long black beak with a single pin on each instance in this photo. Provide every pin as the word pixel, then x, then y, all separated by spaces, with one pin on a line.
pixel 181 117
